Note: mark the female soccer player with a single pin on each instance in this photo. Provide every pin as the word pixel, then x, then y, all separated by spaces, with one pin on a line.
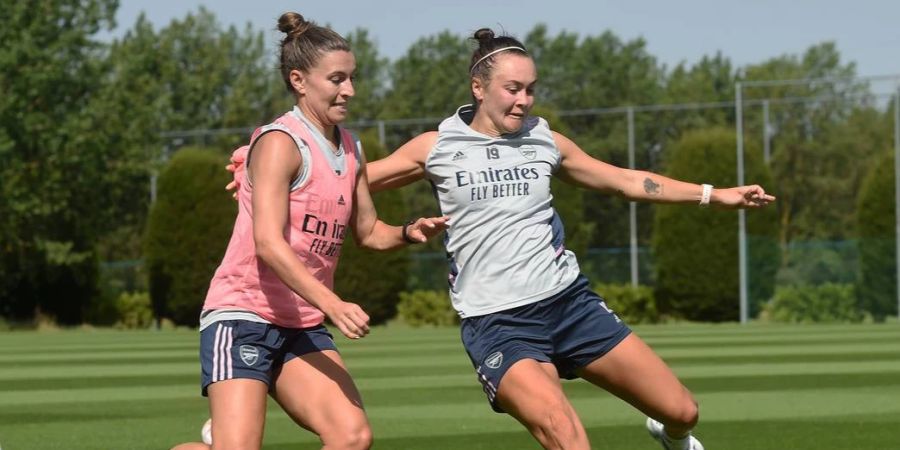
pixel 301 192
pixel 529 317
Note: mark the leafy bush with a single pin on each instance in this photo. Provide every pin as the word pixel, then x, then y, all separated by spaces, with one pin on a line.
pixel 818 262
pixel 877 241
pixel 829 302
pixel 632 304
pixel 696 249
pixel 187 233
pixel 134 310
pixel 423 307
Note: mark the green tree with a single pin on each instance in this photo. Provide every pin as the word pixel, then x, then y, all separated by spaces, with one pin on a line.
pixel 430 80
pixel 876 215
pixel 59 185
pixel 568 200
pixel 600 72
pixel 587 72
pixel 815 162
pixel 190 75
pixel 368 278
pixel 187 233
pixel 696 248
pixel 709 80
pixel 371 76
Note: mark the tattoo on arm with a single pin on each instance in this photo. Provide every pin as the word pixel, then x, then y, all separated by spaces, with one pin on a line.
pixel 652 187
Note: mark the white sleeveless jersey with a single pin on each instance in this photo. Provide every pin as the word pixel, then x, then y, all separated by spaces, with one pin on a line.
pixel 505 241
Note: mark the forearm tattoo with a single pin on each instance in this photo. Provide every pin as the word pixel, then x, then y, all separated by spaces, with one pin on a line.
pixel 651 187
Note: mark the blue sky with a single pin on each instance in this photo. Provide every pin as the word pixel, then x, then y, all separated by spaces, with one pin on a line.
pixel 748 31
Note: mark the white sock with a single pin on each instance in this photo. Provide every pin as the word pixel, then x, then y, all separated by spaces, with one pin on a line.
pixel 683 443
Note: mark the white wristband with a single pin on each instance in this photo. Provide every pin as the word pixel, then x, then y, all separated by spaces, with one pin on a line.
pixel 707 192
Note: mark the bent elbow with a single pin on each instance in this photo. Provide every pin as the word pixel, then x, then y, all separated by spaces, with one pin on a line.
pixel 265 250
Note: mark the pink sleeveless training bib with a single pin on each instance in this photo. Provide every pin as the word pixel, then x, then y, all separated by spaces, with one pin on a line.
pixel 319 213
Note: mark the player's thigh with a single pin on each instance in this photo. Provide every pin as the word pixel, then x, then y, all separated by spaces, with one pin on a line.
pixel 531 392
pixel 317 392
pixel 238 411
pixel 634 373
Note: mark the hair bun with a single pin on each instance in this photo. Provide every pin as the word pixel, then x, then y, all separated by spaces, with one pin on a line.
pixel 484 35
pixel 293 24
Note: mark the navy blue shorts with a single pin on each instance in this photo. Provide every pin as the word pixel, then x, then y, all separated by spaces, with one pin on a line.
pixel 569 330
pixel 245 349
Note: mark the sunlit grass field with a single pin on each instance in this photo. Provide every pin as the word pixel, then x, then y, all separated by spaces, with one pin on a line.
pixel 759 386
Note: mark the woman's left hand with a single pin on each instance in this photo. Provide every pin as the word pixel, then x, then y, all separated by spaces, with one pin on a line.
pixel 753 196
pixel 425 228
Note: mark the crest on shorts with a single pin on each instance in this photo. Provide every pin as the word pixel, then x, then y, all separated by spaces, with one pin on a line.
pixel 528 152
pixel 249 354
pixel 494 360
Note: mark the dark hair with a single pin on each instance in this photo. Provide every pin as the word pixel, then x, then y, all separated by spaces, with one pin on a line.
pixel 304 44
pixel 487 43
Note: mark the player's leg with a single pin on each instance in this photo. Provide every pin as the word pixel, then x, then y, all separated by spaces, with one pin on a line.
pixel 634 373
pixel 236 362
pixel 317 392
pixel 238 411
pixel 191 446
pixel 531 392
pixel 511 353
pixel 594 344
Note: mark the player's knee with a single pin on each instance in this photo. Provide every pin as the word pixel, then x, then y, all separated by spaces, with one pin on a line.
pixel 680 414
pixel 357 437
pixel 688 414
pixel 559 424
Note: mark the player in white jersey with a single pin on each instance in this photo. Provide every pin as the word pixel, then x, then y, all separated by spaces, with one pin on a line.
pixel 529 317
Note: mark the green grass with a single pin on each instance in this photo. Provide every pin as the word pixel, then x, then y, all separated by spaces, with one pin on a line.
pixel 759 386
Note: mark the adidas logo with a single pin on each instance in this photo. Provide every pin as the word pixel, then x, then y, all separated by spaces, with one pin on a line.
pixel 341 200
pixel 458 156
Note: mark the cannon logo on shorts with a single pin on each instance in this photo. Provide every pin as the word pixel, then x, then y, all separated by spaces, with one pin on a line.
pixel 249 354
pixel 494 360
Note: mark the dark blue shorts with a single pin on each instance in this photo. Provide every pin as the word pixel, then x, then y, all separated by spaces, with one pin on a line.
pixel 245 349
pixel 570 330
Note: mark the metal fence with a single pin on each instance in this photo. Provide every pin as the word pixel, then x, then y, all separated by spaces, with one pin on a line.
pixel 638 137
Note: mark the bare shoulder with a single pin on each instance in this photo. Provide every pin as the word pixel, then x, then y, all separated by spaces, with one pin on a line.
pixel 561 139
pixel 418 147
pixel 426 139
pixel 275 151
pixel 274 140
pixel 567 147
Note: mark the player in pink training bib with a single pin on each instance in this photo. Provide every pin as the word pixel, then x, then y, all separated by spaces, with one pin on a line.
pixel 301 192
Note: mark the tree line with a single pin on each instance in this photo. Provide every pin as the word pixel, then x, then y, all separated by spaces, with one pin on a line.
pixel 82 122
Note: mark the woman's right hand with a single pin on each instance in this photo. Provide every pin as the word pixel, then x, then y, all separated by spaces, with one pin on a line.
pixel 236 167
pixel 349 318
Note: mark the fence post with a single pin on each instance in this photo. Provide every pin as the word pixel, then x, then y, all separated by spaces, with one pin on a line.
pixel 742 218
pixel 767 145
pixel 897 190
pixel 632 206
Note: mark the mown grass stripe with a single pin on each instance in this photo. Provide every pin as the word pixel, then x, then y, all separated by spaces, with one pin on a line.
pixel 805 368
pixel 425 395
pixel 763 342
pixel 58 384
pixel 799 356
pixel 453 364
pixel 783 349
pixel 129 361
pixel 88 355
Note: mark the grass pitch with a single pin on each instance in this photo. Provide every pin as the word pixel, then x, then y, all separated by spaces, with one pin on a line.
pixel 759 387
